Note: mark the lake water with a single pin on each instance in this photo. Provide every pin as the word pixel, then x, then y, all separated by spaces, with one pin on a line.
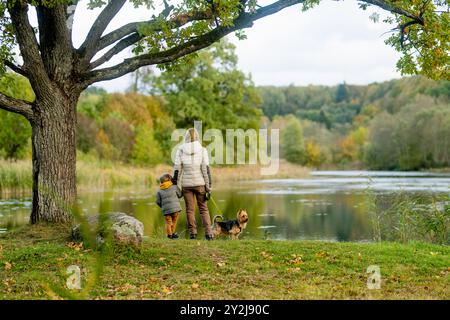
pixel 330 205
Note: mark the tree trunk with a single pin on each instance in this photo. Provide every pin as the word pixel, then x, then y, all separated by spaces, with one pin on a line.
pixel 54 159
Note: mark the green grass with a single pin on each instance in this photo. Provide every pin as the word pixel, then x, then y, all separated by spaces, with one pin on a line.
pixel 33 263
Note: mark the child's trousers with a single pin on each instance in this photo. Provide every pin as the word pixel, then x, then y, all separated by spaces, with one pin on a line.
pixel 171 222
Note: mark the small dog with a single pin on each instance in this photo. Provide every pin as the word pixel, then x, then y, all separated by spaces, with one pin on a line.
pixel 231 228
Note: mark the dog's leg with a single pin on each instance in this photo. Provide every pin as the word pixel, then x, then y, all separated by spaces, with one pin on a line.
pixel 217 231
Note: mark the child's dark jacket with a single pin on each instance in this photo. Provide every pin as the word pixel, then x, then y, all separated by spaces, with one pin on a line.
pixel 167 199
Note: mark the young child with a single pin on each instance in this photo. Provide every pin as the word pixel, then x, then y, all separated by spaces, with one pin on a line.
pixel 167 200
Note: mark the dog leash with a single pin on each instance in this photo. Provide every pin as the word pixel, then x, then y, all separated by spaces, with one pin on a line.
pixel 215 204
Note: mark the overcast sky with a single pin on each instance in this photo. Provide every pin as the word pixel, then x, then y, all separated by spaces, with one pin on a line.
pixel 329 44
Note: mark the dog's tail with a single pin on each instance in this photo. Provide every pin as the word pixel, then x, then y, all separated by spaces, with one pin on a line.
pixel 217 217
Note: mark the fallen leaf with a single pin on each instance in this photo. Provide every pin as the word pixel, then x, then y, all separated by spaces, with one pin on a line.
pixel 221 264
pixel 162 259
pixel 266 255
pixel 297 259
pixel 8 266
pixel 195 286
pixel 167 290
pixel 75 246
pixel 321 254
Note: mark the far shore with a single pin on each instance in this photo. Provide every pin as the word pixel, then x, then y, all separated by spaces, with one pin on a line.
pixel 97 176
pixel 15 177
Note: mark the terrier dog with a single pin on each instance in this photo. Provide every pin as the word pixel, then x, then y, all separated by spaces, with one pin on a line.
pixel 231 228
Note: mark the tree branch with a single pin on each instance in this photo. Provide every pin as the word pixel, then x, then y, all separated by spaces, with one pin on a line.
pixel 88 48
pixel 17 106
pixel 16 69
pixel 127 30
pixel 119 47
pixel 55 41
pixel 244 20
pixel 134 37
pixel 403 31
pixel 29 46
pixel 394 9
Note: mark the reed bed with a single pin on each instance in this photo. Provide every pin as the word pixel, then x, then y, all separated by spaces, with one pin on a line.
pixel 94 174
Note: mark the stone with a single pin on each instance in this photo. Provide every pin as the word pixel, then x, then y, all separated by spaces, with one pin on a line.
pixel 124 229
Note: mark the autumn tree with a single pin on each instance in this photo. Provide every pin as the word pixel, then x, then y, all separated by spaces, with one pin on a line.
pixel 292 143
pixel 210 89
pixel 59 72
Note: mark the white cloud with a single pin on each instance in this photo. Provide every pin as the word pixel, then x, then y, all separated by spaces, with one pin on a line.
pixel 331 43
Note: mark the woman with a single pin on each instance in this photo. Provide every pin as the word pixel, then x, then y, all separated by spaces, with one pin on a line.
pixel 193 175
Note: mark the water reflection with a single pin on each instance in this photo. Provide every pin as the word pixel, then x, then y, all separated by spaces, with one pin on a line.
pixel 329 206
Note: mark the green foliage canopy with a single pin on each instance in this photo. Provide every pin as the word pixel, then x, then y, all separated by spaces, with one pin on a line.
pixel 15 131
pixel 210 89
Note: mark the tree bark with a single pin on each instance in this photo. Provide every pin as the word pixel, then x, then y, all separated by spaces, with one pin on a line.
pixel 54 159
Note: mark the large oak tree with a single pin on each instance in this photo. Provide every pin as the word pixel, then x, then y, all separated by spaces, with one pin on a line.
pixel 59 72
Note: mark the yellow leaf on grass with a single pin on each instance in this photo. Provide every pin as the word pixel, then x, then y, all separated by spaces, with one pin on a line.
pixel 195 286
pixel 266 255
pixel 8 266
pixel 434 253
pixel 167 290
pixel 75 246
pixel 221 264
pixel 297 259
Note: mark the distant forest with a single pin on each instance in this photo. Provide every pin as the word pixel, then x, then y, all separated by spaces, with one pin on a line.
pixel 395 125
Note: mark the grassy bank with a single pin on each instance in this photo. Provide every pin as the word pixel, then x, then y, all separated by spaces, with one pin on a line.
pixel 93 174
pixel 33 264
